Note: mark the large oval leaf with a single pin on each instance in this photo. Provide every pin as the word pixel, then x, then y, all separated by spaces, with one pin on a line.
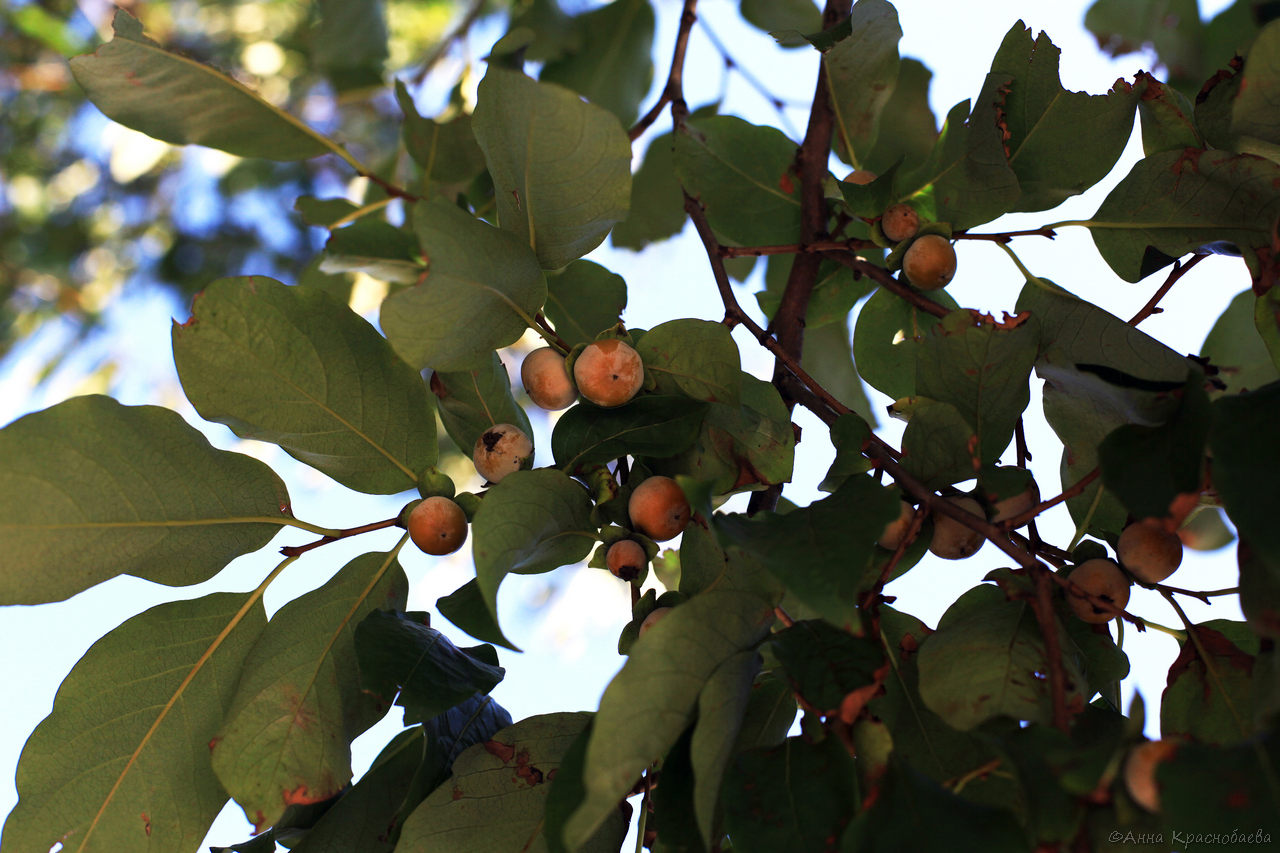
pixel 697 358
pixel 91 489
pixel 171 97
pixel 478 278
pixel 650 702
pixel 298 705
pixel 122 761
pixel 497 795
pixel 295 367
pixel 533 521
pixel 471 402
pixel 561 168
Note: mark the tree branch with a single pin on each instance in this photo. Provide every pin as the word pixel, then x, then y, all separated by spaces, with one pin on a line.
pixel 1179 270
pixel 298 550
pixel 673 91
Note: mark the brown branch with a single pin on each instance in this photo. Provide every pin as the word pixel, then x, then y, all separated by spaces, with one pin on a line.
pixel 1070 492
pixel 1179 270
pixel 850 245
pixel 296 550
pixel 873 595
pixel 1005 236
pixel 460 31
pixel 390 188
pixel 1202 595
pixel 882 277
pixel 673 91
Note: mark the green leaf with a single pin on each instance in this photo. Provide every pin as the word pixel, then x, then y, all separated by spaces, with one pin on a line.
pixel 886 337
pixel 431 674
pixel 652 425
pixel 920 736
pixel 1235 345
pixel 1266 319
pixel 299 703
pixel 350 43
pixel 650 702
pixel 91 489
pixel 1149 468
pixel 825 553
pixel 1210 786
pixel 1051 157
pixel 908 127
pixel 771 16
pixel 849 433
pixel 1176 202
pixel 982 368
pixel 1256 109
pixel 1245 455
pixel 302 370
pixel 939 446
pixel 740 446
pixel 475 271
pixel 583 300
pixel 673 800
pixel 1209 694
pixel 744 176
pixel 861 71
pixel 1167 115
pixel 374 247
pixel 446 151
pixel 1171 27
pixel 1097 656
pixel 696 358
pixel 987 660
pixel 612 62
pixel 826 664
pixel 359 820
pixel 1099 373
pixel 466 608
pixel 771 709
pixel 561 168
pixel 139 84
pixel 322 212
pixel 705 565
pixel 797 796
pixel 912 812
pixel 497 795
pixel 531 522
pixel 722 705
pixel 966 180
pixel 657 203
pixel 473 401
pixel 122 761
pixel 828 358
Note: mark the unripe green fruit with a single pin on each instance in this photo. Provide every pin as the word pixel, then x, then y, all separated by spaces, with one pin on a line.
pixel 930 262
pixel 652 619
pixel 1102 578
pixel 951 539
pixel 437 525
pixel 900 222
pixel 1140 771
pixel 893 532
pixel 609 372
pixel 658 508
pixel 503 449
pixel 626 559
pixel 1149 551
pixel 546 380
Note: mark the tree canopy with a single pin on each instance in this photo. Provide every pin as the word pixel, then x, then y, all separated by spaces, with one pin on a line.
pixel 771 696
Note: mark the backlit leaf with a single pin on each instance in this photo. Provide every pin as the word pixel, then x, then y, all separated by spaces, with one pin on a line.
pixel 473 401
pixel 141 85
pixel 885 339
pixel 561 168
pixel 696 358
pixel 297 368
pixel 862 70
pixel 612 62
pixel 122 762
pixel 91 489
pixel 299 704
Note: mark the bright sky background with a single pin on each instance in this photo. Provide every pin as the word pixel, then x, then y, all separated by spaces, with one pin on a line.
pixel 568 621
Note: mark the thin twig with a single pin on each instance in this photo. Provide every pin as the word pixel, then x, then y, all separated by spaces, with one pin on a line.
pixel 1179 270
pixel 674 88
pixel 1070 492
pixel 1005 236
pixel 442 47
pixel 885 279
pixel 297 550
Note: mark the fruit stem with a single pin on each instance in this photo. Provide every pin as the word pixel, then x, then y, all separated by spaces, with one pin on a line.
pixel 335 535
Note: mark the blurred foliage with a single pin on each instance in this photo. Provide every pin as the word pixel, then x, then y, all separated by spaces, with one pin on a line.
pixel 89 209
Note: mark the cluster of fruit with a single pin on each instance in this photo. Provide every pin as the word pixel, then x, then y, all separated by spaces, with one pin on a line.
pixel 608 373
pixel 926 255
pixel 1147 550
